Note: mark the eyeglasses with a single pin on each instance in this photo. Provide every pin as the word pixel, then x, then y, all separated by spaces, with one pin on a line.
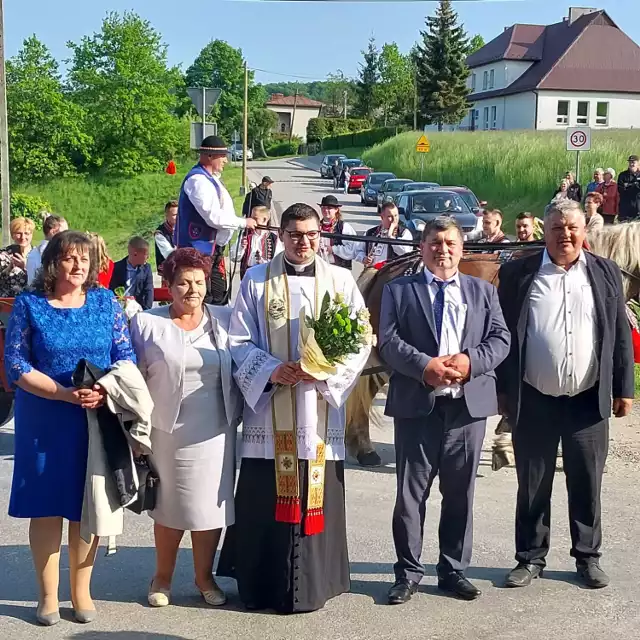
pixel 297 236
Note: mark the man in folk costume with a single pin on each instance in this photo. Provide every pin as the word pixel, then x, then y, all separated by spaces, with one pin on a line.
pixel 257 246
pixel 373 253
pixel 288 548
pixel 334 250
pixel 206 217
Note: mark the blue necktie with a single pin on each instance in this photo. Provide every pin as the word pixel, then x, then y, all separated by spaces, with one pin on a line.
pixel 438 306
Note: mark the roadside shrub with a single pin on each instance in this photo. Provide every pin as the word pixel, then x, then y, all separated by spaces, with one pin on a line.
pixel 365 138
pixel 321 128
pixel 31 207
pixel 283 148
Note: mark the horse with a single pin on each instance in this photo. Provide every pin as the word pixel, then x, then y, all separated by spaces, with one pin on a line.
pixel 620 243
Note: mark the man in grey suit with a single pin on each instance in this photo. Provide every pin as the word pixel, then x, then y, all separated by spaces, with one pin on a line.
pixel 443 334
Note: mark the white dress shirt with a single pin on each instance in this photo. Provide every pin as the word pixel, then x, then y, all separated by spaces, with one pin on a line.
pixel 256 250
pixel 561 359
pixel 34 260
pixel 454 316
pixel 218 213
pixel 379 252
pixel 163 245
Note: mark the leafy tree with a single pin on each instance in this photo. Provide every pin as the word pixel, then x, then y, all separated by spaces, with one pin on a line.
pixel 368 78
pixel 396 83
pixel 221 66
pixel 120 76
pixel 46 128
pixel 441 67
pixel 477 42
pixel 262 121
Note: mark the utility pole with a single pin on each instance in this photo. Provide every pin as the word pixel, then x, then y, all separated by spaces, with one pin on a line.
pixel 345 105
pixel 204 112
pixel 415 101
pixel 4 141
pixel 245 130
pixel 293 115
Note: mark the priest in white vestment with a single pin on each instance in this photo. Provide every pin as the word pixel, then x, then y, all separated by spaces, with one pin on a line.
pixel 288 548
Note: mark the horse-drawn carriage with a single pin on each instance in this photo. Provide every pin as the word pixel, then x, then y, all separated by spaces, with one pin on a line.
pixel 620 243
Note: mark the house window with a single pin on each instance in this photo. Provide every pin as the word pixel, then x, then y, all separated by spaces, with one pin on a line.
pixel 602 114
pixel 491 78
pixel 583 113
pixel 563 112
pixel 283 128
pixel 473 81
pixel 485 80
pixel 485 122
pixel 494 113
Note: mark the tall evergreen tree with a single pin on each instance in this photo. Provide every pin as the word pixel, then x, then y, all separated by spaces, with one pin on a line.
pixel 442 69
pixel 368 78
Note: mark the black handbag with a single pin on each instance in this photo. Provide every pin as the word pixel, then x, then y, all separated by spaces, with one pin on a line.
pixel 149 483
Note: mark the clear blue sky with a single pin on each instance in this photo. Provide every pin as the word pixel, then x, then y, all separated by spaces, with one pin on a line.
pixel 300 38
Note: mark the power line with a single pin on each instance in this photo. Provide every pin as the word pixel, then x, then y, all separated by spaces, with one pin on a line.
pixel 289 75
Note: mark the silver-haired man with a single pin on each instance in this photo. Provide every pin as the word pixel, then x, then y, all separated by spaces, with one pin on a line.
pixel 571 353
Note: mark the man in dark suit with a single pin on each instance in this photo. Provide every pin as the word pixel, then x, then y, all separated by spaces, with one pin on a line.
pixel 571 353
pixel 134 274
pixel 442 333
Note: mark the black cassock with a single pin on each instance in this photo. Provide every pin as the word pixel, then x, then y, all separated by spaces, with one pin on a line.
pixel 274 563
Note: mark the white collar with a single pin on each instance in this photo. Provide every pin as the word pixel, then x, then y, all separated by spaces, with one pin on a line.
pixel 430 277
pixel 546 260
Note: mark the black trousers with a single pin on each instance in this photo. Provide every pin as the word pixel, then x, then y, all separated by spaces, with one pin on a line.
pixel 217 286
pixel 545 421
pixel 448 444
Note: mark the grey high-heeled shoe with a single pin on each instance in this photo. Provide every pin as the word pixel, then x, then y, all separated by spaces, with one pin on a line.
pixel 47 619
pixel 84 616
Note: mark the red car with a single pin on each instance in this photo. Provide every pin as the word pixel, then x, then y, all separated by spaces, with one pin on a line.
pixel 356 178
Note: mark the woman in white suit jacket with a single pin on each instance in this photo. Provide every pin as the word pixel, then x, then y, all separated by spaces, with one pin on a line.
pixel 183 353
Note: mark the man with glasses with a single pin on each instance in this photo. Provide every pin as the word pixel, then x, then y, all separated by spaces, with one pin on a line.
pixel 288 548
pixel 206 216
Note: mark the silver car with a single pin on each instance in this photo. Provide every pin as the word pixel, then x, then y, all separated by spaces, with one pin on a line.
pixel 390 189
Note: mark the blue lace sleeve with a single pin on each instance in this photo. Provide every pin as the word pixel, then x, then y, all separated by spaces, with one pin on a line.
pixel 17 348
pixel 121 348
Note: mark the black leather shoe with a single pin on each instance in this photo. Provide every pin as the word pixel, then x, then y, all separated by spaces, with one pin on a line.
pixel 591 575
pixel 456 583
pixel 402 591
pixel 522 575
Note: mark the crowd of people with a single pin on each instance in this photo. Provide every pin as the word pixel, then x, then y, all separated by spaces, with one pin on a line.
pixel 187 373
pixel 620 200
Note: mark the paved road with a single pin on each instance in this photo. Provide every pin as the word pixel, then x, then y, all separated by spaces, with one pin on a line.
pixel 552 607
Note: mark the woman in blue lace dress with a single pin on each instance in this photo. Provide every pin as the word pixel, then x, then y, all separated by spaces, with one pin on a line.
pixel 66 318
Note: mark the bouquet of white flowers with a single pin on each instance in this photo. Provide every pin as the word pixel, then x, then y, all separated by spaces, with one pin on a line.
pixel 334 335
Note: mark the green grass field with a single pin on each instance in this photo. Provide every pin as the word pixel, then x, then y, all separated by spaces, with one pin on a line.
pixel 120 208
pixel 513 170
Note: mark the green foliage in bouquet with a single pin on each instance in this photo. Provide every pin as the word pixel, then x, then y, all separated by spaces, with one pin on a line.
pixel 338 331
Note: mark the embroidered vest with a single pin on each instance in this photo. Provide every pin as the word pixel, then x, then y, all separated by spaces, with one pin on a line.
pixel 167 234
pixel 270 242
pixel 375 232
pixel 191 230
pixel 346 264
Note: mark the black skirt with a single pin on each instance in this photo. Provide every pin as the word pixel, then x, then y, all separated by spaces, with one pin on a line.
pixel 274 563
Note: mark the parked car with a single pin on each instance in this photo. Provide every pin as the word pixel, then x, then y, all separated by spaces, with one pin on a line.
pixel 369 191
pixel 349 163
pixel 477 206
pixel 416 207
pixel 419 186
pixel 326 168
pixel 389 189
pixel 236 152
pixel 357 177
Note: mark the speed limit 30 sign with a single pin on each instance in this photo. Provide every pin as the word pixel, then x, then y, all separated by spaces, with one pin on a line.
pixel 578 138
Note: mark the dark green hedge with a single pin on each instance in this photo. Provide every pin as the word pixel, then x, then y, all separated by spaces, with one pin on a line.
pixel 320 128
pixel 361 138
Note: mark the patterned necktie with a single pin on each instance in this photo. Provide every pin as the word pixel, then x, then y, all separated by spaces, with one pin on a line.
pixel 438 306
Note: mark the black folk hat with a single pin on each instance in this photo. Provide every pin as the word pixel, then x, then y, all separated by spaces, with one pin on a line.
pixel 330 201
pixel 213 146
